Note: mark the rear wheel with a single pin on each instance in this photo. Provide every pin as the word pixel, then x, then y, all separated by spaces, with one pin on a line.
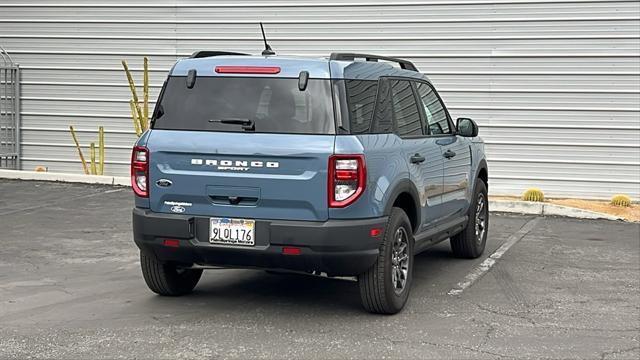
pixel 385 287
pixel 471 241
pixel 168 279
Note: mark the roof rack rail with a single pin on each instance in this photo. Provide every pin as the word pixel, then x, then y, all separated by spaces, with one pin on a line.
pixel 207 53
pixel 404 64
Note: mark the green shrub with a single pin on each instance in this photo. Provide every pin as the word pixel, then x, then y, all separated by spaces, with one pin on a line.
pixel 533 194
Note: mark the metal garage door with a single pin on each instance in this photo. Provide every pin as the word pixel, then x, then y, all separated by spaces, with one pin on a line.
pixel 555 85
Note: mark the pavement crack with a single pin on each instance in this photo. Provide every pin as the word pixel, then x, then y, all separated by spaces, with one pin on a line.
pixel 571 328
pixel 464 347
pixel 509 288
pixel 495 312
pixel 605 354
pixel 487 336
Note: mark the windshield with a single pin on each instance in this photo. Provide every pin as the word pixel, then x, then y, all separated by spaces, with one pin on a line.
pixel 244 104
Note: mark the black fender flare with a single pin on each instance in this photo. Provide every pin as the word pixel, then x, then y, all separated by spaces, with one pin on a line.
pixel 481 166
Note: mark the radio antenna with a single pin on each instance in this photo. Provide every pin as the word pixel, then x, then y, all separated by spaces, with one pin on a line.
pixel 267 49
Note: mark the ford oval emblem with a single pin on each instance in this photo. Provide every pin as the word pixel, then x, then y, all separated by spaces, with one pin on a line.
pixel 177 209
pixel 164 183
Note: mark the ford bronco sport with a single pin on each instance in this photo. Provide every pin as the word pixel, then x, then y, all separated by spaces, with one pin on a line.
pixel 341 166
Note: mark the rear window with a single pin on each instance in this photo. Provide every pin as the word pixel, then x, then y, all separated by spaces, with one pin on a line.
pixel 243 104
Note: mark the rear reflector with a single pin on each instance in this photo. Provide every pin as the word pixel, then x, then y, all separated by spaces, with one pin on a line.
pixel 346 174
pixel 291 251
pixel 247 69
pixel 172 242
pixel 375 232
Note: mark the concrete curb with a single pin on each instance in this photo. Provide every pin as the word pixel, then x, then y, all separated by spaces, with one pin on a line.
pixel 544 209
pixel 504 206
pixel 72 178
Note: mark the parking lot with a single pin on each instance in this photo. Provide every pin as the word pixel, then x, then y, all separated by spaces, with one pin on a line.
pixel 71 287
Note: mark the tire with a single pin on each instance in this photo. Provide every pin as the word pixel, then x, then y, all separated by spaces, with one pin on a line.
pixel 378 293
pixel 471 241
pixel 166 279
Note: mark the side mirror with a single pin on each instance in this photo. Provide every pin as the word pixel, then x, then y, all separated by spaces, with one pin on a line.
pixel 466 127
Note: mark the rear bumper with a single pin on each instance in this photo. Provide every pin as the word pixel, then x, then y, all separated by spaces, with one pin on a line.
pixel 337 247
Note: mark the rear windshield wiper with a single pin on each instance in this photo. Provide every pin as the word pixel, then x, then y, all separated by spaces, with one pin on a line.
pixel 247 124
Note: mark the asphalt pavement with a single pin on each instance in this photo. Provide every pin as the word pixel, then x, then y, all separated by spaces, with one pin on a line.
pixel 71 287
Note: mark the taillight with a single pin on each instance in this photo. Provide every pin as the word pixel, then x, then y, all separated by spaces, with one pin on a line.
pixel 140 171
pixel 347 179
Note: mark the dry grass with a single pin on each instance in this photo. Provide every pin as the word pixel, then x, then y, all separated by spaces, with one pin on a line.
pixel 631 213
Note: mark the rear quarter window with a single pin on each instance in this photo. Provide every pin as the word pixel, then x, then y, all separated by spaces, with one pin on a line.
pixel 361 101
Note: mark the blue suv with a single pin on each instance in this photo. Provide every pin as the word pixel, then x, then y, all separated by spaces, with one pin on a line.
pixel 340 166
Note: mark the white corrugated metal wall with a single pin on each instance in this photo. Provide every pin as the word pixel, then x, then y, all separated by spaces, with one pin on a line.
pixel 555 85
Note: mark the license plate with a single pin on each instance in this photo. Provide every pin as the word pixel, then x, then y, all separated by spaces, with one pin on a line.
pixel 232 231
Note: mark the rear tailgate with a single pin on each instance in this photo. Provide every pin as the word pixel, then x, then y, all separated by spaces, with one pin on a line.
pixel 240 175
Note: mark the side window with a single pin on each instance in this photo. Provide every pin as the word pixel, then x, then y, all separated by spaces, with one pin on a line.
pixel 435 114
pixel 405 109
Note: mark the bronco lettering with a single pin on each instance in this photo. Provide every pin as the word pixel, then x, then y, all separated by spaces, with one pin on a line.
pixel 235 165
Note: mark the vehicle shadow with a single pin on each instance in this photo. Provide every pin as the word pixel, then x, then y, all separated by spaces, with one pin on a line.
pixel 241 290
pixel 435 272
pixel 430 263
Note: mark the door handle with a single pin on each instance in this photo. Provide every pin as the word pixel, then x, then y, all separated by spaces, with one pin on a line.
pixel 417 159
pixel 449 154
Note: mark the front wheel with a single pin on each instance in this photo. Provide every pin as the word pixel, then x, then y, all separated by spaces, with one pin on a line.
pixel 471 241
pixel 168 279
pixel 385 287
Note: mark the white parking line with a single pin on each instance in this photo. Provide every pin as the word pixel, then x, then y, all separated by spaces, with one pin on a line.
pixel 486 265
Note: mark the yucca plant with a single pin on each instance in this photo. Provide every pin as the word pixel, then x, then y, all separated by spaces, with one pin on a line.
pixel 621 200
pixel 93 168
pixel 140 115
pixel 533 194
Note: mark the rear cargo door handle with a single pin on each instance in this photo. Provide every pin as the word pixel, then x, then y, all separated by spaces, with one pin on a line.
pixel 233 200
pixel 449 154
pixel 233 195
pixel 417 158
